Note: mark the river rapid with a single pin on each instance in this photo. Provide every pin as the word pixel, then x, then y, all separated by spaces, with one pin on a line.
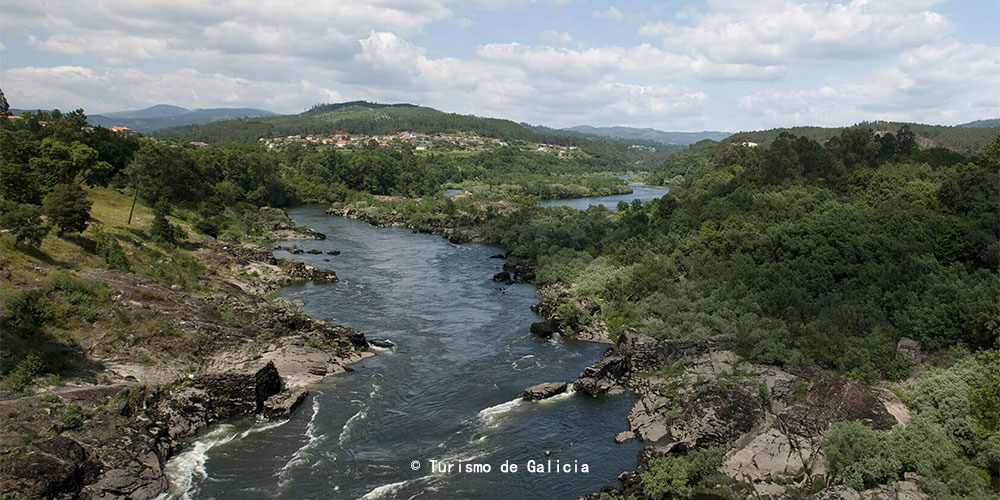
pixel 449 391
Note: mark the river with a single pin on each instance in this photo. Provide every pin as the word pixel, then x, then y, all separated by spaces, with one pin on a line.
pixel 449 391
pixel 639 192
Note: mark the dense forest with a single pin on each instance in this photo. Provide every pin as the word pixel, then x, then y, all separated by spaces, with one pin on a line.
pixel 962 139
pixel 811 250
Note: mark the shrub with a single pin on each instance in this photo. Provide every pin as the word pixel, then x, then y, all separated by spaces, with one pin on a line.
pixel 24 222
pixel 76 290
pixel 25 372
pixel 26 311
pixel 681 476
pixel 859 456
pixel 71 417
pixel 108 249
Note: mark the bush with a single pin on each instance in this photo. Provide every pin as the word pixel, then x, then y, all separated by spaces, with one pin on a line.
pixel 20 378
pixel 67 207
pixel 71 417
pixel 108 249
pixel 859 456
pixel 24 222
pixel 681 476
pixel 26 311
pixel 76 290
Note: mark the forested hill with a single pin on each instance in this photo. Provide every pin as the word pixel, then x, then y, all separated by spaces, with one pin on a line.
pixel 371 119
pixel 358 117
pixel 964 139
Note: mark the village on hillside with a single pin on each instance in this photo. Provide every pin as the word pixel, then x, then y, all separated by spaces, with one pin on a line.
pixel 458 141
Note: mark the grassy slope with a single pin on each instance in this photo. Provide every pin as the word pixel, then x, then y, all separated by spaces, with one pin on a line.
pixel 59 341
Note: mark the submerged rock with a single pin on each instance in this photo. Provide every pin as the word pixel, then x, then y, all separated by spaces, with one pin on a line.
pixel 503 276
pixel 543 391
pixel 545 329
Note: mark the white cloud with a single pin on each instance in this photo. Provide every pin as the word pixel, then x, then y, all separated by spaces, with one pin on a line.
pixel 612 13
pixel 556 38
pixel 122 32
pixel 796 62
pixel 107 89
pixel 776 32
pixel 934 83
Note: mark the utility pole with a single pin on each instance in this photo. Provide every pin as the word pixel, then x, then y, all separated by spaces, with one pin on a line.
pixel 134 197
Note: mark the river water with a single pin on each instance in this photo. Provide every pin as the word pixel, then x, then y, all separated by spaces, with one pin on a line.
pixel 639 192
pixel 449 391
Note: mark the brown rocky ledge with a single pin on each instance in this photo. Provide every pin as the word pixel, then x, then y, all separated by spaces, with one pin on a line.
pixel 768 420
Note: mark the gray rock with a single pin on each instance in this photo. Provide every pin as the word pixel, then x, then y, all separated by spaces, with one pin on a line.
pixel 624 437
pixel 909 348
pixel 543 391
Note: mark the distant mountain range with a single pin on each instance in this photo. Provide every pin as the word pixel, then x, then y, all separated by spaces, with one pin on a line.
pixel 991 123
pixel 163 116
pixel 650 134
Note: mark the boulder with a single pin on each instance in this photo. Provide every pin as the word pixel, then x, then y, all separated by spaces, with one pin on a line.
pixel 333 252
pixel 545 329
pixel 314 251
pixel 910 349
pixel 624 437
pixel 543 391
pixel 503 276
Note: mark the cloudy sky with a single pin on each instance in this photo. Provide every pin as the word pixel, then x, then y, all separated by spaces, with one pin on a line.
pixel 674 65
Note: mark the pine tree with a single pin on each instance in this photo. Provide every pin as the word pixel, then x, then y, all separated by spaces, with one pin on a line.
pixel 67 207
pixel 161 229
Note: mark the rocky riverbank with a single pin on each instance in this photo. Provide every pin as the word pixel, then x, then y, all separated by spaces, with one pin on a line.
pixel 769 421
pixel 196 357
pixel 462 228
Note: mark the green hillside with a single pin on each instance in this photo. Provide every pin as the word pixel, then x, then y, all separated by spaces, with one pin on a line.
pixel 364 118
pixel 965 140
pixel 356 117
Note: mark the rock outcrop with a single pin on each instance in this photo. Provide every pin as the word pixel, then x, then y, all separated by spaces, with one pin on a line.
pixel 695 393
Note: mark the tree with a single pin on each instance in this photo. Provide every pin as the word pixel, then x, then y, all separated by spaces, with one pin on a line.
pixel 906 141
pixel 162 229
pixel 888 146
pixel 781 161
pixel 161 171
pixel 24 222
pixel 67 207
pixel 4 107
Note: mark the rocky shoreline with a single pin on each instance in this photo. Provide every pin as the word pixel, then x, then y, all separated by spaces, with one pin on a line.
pixel 221 353
pixel 769 421
pixel 460 229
